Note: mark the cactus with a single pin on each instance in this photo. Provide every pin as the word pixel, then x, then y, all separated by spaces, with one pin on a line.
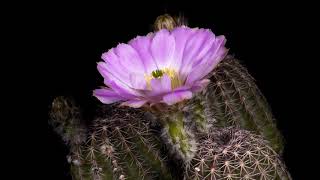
pixel 65 118
pixel 230 153
pixel 233 99
pixel 120 145
pixel 226 131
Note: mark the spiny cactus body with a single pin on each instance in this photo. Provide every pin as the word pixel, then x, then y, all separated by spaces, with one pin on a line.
pixel 233 99
pixel 120 145
pixel 211 136
pixel 229 153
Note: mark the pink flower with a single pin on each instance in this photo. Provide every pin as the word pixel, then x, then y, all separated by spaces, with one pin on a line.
pixel 162 67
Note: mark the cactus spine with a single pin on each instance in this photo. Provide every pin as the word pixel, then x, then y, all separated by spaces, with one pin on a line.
pixel 120 145
pixel 230 153
pixel 232 99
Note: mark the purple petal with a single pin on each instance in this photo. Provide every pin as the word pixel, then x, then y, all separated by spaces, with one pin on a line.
pixel 209 62
pixel 107 71
pixel 162 48
pixel 161 85
pixel 177 96
pixel 138 81
pixel 192 53
pixel 117 85
pixel 107 96
pixel 196 47
pixel 125 92
pixel 130 59
pixel 181 35
pixel 142 45
pixel 181 88
pixel 134 103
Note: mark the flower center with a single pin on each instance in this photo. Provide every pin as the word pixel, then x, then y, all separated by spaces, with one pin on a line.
pixel 157 74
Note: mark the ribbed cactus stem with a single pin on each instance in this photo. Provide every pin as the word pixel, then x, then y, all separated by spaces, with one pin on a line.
pixel 107 151
pixel 150 149
pixel 76 160
pixel 65 117
pixel 136 168
pixel 228 99
pixel 259 110
pixel 235 100
pixel 121 144
pixel 135 148
pixel 95 169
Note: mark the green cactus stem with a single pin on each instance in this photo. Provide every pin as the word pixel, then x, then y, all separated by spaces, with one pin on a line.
pixel 175 133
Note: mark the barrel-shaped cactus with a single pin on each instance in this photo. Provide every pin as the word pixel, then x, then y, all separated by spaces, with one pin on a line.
pixel 230 153
pixel 120 145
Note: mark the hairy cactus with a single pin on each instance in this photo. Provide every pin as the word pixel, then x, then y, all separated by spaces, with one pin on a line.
pixel 182 128
pixel 120 145
pixel 175 133
pixel 233 99
pixel 229 153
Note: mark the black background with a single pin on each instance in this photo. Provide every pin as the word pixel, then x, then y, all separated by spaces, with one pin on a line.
pixel 263 36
